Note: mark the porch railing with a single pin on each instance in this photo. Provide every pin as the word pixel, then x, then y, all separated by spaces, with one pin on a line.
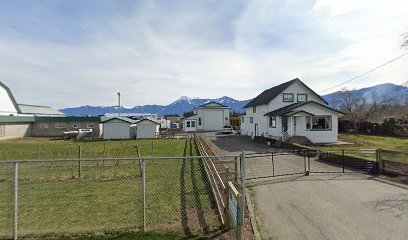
pixel 285 136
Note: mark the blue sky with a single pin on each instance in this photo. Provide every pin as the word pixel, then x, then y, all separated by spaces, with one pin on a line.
pixel 70 53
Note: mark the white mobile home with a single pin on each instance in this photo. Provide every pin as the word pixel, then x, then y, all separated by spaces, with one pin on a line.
pixel 147 128
pixel 117 128
pixel 211 116
pixel 291 111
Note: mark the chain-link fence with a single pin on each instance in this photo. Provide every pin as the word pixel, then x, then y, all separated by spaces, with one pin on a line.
pixel 72 197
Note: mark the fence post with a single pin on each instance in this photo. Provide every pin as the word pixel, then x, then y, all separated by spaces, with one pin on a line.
pixel 226 209
pixel 144 194
pixel 79 161
pixel 15 231
pixel 342 158
pixel 273 166
pixel 152 149
pixel 243 185
pixel 236 169
pixel 380 161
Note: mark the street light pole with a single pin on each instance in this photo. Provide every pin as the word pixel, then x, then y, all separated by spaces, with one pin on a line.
pixel 119 103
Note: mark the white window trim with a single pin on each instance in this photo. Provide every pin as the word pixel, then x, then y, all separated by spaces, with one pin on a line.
pixel 60 125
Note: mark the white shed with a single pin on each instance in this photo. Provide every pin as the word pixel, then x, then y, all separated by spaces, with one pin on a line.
pixel 211 116
pixel 147 128
pixel 117 128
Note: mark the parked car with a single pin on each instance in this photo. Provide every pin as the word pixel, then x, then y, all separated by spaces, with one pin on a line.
pixel 228 130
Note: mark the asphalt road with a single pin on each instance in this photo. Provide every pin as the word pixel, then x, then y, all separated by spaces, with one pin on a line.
pixel 319 206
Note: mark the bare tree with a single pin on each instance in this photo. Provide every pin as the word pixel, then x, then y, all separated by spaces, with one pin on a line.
pixel 357 108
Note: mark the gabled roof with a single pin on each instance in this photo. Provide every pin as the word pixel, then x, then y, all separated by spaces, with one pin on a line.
pixel 11 97
pixel 268 95
pixel 149 119
pixel 125 119
pixel 205 105
pixel 38 110
pixel 288 109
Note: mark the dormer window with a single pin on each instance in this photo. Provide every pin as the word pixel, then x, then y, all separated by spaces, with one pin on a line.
pixel 302 97
pixel 288 97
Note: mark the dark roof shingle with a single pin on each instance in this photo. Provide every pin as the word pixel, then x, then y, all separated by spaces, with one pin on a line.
pixel 268 95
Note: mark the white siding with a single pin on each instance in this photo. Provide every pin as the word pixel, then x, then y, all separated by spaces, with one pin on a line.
pixel 116 129
pixel 6 104
pixel 147 129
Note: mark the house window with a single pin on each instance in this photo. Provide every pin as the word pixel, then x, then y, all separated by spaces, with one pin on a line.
pixel 242 119
pixel 90 126
pixel 319 123
pixel 288 97
pixel 272 121
pixel 76 125
pixel 188 124
pixel 302 97
pixel 43 125
pixel 199 121
pixel 251 120
pixel 193 124
pixel 254 109
pixel 60 125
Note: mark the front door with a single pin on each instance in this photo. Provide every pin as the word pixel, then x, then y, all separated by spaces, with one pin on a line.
pixel 284 124
pixel 256 129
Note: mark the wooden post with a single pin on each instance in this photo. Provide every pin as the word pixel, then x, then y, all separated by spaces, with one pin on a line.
pixel 226 210
pixel 380 161
pixel 79 161
pixel 236 169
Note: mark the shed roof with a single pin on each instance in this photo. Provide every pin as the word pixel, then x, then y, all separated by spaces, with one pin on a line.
pixel 149 119
pixel 124 119
pixel 268 95
pixel 16 119
pixel 38 110
pixel 66 119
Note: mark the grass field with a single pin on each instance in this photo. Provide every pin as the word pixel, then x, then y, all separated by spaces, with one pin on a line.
pixel 363 142
pixel 73 198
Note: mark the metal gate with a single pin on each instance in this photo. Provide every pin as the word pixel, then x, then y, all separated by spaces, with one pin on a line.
pixel 296 162
pixel 275 164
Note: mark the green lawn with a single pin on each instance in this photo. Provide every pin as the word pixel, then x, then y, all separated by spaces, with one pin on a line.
pixel 363 142
pixel 74 198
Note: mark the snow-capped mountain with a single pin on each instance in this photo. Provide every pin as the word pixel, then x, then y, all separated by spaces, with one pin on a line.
pixel 181 105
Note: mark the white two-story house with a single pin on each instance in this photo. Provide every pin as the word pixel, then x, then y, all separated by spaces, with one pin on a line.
pixel 211 116
pixel 291 110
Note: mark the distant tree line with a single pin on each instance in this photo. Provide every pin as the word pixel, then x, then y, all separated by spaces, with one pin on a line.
pixel 372 115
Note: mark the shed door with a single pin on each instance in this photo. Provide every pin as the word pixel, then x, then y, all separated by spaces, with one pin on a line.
pixel 213 120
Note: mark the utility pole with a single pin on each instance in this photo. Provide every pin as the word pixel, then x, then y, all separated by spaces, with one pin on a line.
pixel 119 103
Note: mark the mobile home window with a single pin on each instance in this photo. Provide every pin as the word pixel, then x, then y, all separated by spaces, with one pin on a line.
pixel 319 123
pixel 302 97
pixel 272 121
pixel 251 119
pixel 60 125
pixel 90 126
pixel 199 121
pixel 254 109
pixel 288 97
pixel 43 125
pixel 76 125
pixel 192 123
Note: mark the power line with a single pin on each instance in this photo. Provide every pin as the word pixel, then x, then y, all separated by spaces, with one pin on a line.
pixel 365 73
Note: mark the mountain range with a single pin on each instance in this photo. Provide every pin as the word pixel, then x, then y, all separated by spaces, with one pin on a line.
pixel 185 104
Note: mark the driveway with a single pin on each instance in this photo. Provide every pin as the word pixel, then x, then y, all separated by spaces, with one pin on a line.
pixel 319 206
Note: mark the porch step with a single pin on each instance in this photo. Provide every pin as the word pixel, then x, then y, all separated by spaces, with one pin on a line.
pixel 300 140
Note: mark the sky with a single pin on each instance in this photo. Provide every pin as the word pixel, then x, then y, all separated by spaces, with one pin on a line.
pixel 71 53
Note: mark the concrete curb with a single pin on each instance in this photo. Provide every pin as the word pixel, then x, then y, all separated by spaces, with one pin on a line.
pixel 379 179
pixel 252 216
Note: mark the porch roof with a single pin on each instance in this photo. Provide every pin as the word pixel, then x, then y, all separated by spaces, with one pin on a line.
pixel 289 109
